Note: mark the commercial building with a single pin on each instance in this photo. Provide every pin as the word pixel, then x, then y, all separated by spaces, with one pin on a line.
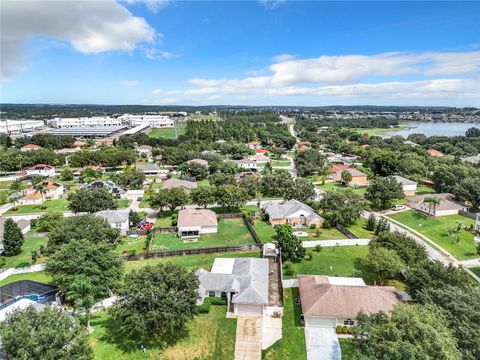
pixel 20 126
pixel 85 122
pixel 154 121
pixel 88 131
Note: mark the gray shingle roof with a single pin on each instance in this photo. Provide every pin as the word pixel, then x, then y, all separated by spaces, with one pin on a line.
pixel 288 209
pixel 114 216
pixel 404 181
pixel 249 280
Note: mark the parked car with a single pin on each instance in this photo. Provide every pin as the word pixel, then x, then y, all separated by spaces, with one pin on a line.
pixel 399 207
pixel 147 226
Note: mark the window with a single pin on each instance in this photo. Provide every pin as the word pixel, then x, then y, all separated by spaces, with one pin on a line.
pixel 211 294
pixel 348 322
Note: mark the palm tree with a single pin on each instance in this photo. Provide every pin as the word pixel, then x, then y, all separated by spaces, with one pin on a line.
pixel 40 188
pixel 82 294
pixel 433 202
pixel 17 187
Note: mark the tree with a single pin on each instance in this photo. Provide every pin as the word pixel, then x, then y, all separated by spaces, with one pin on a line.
pixel 12 238
pixel 82 293
pixel 82 227
pixel 469 190
pixel 309 162
pixel 40 188
pixel 66 174
pixel 411 332
pixel 477 248
pixel 84 259
pixel 342 207
pixel 346 176
pixel 433 202
pixel 384 262
pixel 157 301
pixel 49 221
pixel 382 162
pixel 371 222
pixel 301 189
pixel 290 245
pixel 222 179
pixel 383 191
pixel 251 185
pixel 193 169
pixel 91 199
pixel 203 196
pixel 170 198
pixel 230 196
pixel 88 175
pixel 48 334
pixel 134 218
pixel 129 178
pixel 17 186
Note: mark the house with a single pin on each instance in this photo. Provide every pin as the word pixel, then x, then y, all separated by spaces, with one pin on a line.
pixel 435 153
pixel 40 169
pixel 246 164
pixel 245 174
pixel 198 161
pixel 303 145
pixel 79 171
pixel 144 151
pixel 252 145
pixel 447 206
pixel 79 144
pixel 110 185
pixel 52 190
pixel 118 219
pixel 30 147
pixel 337 171
pixel 24 225
pixel 193 222
pixel 291 212
pixel 173 183
pixel 359 179
pixel 472 159
pixel 259 158
pixel 149 169
pixel 261 151
pixel 332 301
pixel 409 186
pixel 243 281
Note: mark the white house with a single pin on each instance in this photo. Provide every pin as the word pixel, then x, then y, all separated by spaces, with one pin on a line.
pixel 447 206
pixel 144 150
pixel 409 186
pixel 154 121
pixel 243 281
pixel 246 164
pixel 118 219
pixel 193 222
pixel 41 169
pixel 52 190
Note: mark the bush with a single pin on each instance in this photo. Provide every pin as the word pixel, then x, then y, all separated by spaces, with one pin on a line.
pixel 218 301
pixel 309 255
pixel 174 219
pixel 318 248
pixel 205 307
pixel 313 226
pixel 265 217
pixel 3 261
pixel 288 269
pixel 326 224
pixel 339 329
pixel 249 218
pixel 318 232
pixel 43 207
pixel 344 329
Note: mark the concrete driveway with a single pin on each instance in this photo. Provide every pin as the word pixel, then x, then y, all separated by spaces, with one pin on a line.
pixel 248 341
pixel 322 343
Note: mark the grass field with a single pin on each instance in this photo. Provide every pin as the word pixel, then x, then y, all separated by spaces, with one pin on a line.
pixel 422 190
pixel 128 245
pixel 476 270
pixel 51 205
pixel 168 133
pixel 323 234
pixel 231 232
pixel 333 185
pixel 265 231
pixel 210 336
pixel 292 344
pixel 123 203
pixel 337 261
pixel 436 230
pixel 40 276
pixel 280 163
pixel 359 229
pixel 23 259
pixel 380 131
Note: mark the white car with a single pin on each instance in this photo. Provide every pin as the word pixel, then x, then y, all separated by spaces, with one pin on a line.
pixel 399 207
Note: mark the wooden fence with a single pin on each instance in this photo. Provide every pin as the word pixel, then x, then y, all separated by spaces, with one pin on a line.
pixel 467 214
pixel 346 232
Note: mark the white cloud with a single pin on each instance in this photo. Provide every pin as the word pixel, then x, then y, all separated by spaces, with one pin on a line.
pixel 153 5
pixel 89 26
pixel 166 92
pixel 283 57
pixel 271 4
pixel 156 54
pixel 129 83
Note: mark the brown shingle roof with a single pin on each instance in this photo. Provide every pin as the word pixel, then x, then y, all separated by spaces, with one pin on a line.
pixel 172 183
pixel 194 217
pixel 320 298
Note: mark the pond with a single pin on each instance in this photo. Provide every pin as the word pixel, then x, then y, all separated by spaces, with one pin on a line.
pixel 433 129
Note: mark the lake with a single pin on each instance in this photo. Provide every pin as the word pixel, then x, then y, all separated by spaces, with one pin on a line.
pixel 432 129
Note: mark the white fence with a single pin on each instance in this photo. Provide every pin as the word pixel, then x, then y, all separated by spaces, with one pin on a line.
pixel 25 270
pixel 290 283
pixel 330 243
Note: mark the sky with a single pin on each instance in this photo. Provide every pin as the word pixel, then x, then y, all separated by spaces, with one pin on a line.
pixel 159 52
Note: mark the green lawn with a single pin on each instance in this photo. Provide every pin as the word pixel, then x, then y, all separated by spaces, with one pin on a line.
pixel 265 231
pixel 359 229
pixel 164 219
pixel 40 276
pixel 343 261
pixel 333 185
pixel 23 259
pixel 422 190
pixel 231 232
pixel 128 245
pixel 51 205
pixel 123 203
pixel 476 270
pixel 347 348
pixel 191 261
pixel 380 131
pixel 5 185
pixel 168 133
pixel 436 230
pixel 210 336
pixel 280 163
pixel 322 234
pixel 292 345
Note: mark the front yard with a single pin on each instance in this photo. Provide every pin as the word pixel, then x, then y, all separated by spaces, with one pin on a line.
pixel 436 230
pixel 210 336
pixel 292 345
pixel 231 232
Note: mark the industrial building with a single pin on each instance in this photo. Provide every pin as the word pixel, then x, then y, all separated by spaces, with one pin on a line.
pixel 20 126
pixel 154 121
pixel 88 131
pixel 94 121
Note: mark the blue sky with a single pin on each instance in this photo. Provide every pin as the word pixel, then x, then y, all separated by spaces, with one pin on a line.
pixel 252 53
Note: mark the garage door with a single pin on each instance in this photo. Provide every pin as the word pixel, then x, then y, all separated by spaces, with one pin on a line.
pixel 244 308
pixel 321 321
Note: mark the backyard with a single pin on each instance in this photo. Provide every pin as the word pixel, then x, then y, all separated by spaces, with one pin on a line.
pixel 292 345
pixel 60 205
pixel 210 336
pixel 435 228
pixel 332 186
pixel 231 232
pixel 23 259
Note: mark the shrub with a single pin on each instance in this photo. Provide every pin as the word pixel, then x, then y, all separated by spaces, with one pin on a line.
pixel 326 224
pixel 43 207
pixel 318 248
pixel 318 232
pixel 344 329
pixel 265 217
pixel 309 255
pixel 313 226
pixel 204 308
pixel 3 261
pixel 288 269
pixel 339 329
pixel 218 301
pixel 174 219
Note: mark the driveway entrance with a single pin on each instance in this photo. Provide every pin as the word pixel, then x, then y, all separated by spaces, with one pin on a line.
pixel 322 343
pixel 248 342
